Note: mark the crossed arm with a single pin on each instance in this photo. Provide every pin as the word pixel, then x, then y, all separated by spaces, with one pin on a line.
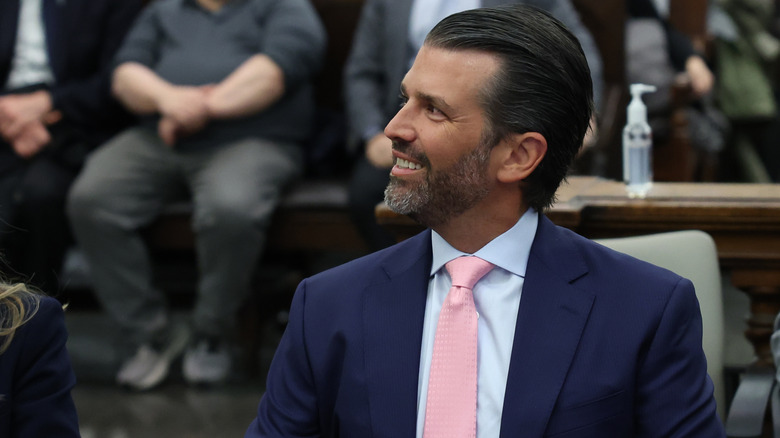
pixel 252 87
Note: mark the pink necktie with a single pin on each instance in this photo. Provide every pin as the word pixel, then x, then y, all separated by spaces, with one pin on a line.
pixel 451 410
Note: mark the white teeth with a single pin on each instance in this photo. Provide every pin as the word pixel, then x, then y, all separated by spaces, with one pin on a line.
pixel 406 164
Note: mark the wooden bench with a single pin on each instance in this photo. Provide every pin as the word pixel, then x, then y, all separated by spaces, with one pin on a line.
pixel 312 216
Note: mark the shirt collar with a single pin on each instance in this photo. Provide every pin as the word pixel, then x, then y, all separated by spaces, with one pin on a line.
pixel 508 251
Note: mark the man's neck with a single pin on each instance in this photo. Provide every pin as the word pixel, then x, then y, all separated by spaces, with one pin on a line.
pixel 477 227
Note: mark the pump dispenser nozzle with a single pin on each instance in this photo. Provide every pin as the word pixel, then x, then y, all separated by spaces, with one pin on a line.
pixel 637 111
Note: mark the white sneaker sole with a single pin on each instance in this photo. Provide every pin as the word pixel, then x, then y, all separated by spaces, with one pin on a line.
pixel 180 338
pixel 195 376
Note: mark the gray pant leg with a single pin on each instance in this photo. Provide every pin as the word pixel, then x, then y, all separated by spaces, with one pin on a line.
pixel 123 186
pixel 235 191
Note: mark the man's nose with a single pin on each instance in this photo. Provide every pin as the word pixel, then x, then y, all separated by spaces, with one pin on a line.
pixel 400 127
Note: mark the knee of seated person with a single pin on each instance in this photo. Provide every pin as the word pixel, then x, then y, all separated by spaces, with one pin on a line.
pixel 81 203
pixel 38 198
pixel 232 218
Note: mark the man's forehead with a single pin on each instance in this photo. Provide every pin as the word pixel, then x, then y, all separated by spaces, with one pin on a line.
pixel 444 69
pixel 467 53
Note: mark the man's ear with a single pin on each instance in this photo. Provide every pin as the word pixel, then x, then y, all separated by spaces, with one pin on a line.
pixel 522 154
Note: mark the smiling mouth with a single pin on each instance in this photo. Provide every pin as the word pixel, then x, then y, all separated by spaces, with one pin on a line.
pixel 406 164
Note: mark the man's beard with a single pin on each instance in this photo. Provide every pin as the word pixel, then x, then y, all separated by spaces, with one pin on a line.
pixel 444 194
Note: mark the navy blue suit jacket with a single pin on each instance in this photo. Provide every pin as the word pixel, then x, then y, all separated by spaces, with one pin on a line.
pixel 605 346
pixel 36 379
pixel 82 37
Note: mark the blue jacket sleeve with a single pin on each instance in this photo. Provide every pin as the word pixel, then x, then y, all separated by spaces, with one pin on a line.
pixel 289 406
pixel 674 392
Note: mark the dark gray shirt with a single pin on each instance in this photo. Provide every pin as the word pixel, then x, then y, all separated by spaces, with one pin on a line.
pixel 186 44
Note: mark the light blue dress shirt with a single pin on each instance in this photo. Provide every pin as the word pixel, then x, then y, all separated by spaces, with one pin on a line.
pixel 497 299
pixel 30 64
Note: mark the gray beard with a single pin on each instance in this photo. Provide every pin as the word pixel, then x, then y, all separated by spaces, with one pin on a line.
pixel 443 195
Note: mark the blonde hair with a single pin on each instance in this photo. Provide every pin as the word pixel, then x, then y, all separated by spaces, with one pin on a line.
pixel 18 304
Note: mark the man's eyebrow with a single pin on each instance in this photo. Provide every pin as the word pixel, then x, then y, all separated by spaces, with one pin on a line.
pixel 436 101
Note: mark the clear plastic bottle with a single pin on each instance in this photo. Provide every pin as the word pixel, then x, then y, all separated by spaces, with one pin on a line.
pixel 638 145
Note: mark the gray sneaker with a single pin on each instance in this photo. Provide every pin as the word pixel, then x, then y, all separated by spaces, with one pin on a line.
pixel 207 362
pixel 149 366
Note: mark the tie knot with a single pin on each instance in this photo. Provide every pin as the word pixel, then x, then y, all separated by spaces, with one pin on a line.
pixel 466 271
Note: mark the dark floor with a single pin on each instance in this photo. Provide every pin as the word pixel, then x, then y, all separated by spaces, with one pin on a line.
pixel 174 410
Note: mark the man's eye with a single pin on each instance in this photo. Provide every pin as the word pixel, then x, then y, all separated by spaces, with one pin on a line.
pixel 402 100
pixel 436 112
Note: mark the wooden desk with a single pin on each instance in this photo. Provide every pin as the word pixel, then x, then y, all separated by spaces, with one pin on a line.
pixel 744 220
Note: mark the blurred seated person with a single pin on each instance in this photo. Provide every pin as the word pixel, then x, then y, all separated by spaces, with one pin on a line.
pixel 681 54
pixel 387 38
pixel 656 53
pixel 36 377
pixel 55 106
pixel 747 56
pixel 225 90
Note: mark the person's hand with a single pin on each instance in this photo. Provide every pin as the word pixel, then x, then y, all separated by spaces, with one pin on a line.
pixel 34 136
pixel 18 110
pixel 168 130
pixel 702 79
pixel 31 139
pixel 379 151
pixel 186 107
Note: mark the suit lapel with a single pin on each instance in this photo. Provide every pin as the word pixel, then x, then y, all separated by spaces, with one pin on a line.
pixel 393 319
pixel 54 21
pixel 9 20
pixel 552 316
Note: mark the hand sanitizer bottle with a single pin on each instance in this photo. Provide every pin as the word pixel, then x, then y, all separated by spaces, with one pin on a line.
pixel 637 145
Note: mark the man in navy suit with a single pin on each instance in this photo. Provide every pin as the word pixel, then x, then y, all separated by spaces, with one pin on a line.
pixel 574 340
pixel 55 105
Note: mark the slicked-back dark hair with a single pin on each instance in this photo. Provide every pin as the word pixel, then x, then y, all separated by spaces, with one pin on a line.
pixel 543 84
